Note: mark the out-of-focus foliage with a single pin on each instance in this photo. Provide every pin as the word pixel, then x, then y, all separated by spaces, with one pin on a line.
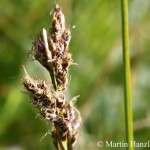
pixel 98 78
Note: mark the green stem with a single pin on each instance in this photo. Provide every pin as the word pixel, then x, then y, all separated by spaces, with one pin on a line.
pixel 126 69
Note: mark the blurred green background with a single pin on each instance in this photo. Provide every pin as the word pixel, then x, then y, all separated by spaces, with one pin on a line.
pixel 98 78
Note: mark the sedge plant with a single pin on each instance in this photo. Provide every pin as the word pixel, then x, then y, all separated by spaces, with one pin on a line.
pixel 50 49
pixel 127 78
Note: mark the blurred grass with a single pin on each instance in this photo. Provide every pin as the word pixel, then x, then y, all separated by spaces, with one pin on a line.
pixel 96 47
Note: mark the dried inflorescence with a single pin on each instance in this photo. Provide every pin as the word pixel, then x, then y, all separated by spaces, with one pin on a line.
pixel 51 50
